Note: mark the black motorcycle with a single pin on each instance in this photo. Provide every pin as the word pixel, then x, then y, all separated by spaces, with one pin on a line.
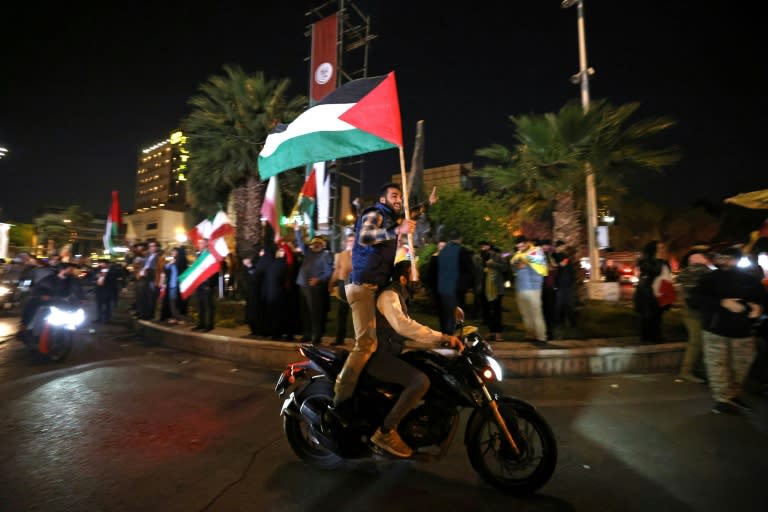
pixel 51 333
pixel 508 442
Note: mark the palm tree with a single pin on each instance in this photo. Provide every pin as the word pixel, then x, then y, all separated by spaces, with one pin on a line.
pixel 63 228
pixel 545 168
pixel 226 129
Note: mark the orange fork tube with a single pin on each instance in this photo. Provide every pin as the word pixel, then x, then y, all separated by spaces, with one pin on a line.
pixel 503 426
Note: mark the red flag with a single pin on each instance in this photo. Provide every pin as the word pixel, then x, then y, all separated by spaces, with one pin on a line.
pixel 114 211
pixel 309 190
pixel 378 112
pixel 323 78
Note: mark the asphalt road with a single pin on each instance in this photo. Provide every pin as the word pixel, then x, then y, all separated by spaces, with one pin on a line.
pixel 121 426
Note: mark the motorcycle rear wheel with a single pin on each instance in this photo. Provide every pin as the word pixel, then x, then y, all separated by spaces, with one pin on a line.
pixel 491 457
pixel 299 433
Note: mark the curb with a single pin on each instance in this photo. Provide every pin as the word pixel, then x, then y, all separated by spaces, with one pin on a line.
pixel 602 357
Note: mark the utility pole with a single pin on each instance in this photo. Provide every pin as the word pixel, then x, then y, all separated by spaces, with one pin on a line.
pixel 582 78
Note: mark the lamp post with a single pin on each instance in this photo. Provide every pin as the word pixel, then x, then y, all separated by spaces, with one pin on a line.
pixel 582 78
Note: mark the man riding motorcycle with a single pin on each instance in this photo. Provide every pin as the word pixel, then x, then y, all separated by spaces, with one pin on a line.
pixel 393 327
pixel 62 284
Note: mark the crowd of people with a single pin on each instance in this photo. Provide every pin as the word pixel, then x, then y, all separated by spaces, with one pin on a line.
pixel 722 296
pixel 40 280
pixel 292 286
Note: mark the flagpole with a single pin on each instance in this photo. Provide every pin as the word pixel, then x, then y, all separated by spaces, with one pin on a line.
pixel 412 250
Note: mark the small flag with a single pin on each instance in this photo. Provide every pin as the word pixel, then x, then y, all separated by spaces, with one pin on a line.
pixel 208 262
pixel 272 207
pixel 113 224
pixel 305 204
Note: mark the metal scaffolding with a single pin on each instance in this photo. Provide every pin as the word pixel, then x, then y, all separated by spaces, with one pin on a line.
pixel 354 38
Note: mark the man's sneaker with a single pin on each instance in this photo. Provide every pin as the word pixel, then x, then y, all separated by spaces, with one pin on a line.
pixel 691 378
pixel 390 441
pixel 725 408
pixel 738 402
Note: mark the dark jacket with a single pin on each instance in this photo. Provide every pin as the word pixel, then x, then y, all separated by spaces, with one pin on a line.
pixel 374 258
pixel 723 284
pixel 454 269
pixel 54 286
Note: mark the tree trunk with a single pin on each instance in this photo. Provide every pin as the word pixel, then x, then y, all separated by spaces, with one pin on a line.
pixel 566 222
pixel 247 199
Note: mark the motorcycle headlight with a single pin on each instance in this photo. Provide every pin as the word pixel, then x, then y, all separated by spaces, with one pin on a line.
pixel 62 318
pixel 4 290
pixel 493 370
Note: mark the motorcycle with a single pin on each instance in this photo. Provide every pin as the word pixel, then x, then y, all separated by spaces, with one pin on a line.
pixel 52 330
pixel 509 444
pixel 13 292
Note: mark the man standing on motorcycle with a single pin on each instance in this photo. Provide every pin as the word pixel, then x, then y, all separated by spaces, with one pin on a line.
pixel 393 327
pixel 373 257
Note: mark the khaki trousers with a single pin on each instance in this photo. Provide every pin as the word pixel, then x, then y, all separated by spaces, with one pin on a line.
pixel 529 304
pixel 693 348
pixel 362 303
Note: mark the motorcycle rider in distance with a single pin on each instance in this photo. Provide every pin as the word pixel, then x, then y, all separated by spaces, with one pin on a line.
pixel 393 327
pixel 62 284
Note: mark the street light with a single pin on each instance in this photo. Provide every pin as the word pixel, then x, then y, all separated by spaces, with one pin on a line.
pixel 582 78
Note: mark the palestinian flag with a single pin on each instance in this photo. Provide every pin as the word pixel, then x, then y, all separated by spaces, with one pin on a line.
pixel 113 224
pixel 359 117
pixel 307 200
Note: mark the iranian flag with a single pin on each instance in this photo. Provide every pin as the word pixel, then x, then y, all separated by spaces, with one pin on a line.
pixel 272 208
pixel 210 228
pixel 359 117
pixel 113 224
pixel 208 261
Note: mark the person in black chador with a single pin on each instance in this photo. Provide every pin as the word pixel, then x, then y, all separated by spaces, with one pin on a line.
pixel 206 303
pixel 255 271
pixel 653 269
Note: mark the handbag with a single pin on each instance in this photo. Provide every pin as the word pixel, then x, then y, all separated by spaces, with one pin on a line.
pixel 667 293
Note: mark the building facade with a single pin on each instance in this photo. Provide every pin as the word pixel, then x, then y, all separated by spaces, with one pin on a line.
pixel 160 175
pixel 161 213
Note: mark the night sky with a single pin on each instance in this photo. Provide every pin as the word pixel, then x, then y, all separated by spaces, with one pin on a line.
pixel 83 90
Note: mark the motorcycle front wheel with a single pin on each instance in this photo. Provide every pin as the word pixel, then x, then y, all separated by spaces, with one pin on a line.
pixel 497 464
pixel 60 345
pixel 299 434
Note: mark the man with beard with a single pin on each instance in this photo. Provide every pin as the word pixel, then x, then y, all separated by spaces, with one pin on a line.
pixel 393 327
pixel 373 257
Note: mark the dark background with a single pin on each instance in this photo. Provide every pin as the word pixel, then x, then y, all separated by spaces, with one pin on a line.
pixel 83 90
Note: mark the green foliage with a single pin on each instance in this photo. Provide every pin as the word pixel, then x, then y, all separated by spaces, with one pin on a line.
pixel 226 129
pixel 51 226
pixel 552 150
pixel 423 255
pixel 21 235
pixel 477 217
